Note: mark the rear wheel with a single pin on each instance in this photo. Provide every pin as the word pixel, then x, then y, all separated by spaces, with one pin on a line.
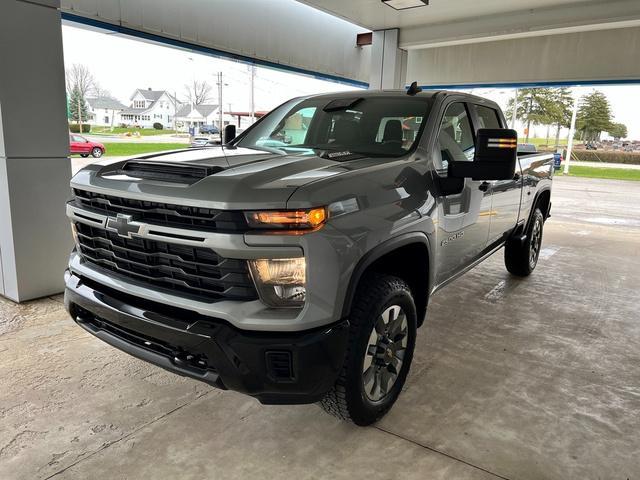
pixel 84 155
pixel 96 152
pixel 521 258
pixel 382 339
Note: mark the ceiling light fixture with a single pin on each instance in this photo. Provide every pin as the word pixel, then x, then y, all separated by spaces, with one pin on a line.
pixel 405 4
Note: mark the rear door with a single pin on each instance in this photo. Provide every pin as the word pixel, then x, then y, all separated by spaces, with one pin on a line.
pixel 505 194
pixel 463 218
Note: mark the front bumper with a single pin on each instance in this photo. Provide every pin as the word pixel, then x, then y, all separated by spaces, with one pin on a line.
pixel 274 367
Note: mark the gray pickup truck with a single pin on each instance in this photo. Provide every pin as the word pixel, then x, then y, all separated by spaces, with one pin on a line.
pixel 295 263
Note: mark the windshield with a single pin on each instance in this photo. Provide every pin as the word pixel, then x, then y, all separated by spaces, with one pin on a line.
pixel 342 127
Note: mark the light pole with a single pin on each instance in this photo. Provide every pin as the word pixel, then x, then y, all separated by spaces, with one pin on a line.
pixel 253 105
pixel 572 132
pixel 220 105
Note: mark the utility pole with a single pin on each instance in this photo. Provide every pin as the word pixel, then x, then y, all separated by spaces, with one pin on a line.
pixel 79 114
pixel 175 112
pixel 220 106
pixel 572 132
pixel 253 106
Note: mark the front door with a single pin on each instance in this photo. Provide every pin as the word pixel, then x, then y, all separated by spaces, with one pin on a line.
pixel 505 194
pixel 463 218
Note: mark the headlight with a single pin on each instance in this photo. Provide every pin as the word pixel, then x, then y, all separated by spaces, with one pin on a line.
pixel 292 221
pixel 280 281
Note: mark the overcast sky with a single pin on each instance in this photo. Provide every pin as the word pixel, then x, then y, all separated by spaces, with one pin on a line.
pixel 122 65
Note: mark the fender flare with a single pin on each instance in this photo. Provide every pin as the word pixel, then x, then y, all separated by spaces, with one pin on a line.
pixel 534 204
pixel 378 252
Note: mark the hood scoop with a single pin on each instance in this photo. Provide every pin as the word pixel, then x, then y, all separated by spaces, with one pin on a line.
pixel 168 172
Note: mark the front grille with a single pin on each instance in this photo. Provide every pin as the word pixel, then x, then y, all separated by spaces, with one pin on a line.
pixel 178 216
pixel 195 271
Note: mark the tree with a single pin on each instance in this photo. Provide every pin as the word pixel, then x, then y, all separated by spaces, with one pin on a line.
pixel 99 92
pixel 558 110
pixel 77 107
pixel 80 82
pixel 594 116
pixel 198 92
pixel 531 107
pixel 618 130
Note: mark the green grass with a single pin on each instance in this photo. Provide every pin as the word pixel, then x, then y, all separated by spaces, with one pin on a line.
pixel 597 172
pixel 543 141
pixel 127 149
pixel 144 132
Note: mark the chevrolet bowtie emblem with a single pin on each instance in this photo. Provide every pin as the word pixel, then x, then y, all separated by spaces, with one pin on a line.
pixel 123 225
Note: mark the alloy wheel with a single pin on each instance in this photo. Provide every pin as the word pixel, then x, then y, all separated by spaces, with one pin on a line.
pixel 536 241
pixel 385 353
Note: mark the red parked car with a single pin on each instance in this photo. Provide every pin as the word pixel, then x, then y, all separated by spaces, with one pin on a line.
pixel 79 144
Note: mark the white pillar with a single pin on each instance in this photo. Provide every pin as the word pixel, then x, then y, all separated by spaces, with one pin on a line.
pixel 388 62
pixel 35 238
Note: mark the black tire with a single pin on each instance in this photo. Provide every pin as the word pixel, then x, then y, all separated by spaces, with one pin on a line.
pixel 96 152
pixel 521 258
pixel 350 399
pixel 84 155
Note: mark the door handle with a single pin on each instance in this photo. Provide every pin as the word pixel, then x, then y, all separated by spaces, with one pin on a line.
pixel 484 186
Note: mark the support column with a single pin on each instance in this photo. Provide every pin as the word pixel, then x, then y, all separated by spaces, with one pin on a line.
pixel 35 238
pixel 388 62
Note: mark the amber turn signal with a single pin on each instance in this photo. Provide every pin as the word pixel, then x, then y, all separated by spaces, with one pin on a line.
pixel 288 219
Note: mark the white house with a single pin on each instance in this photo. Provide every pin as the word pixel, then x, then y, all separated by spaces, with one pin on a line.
pixel 104 111
pixel 195 116
pixel 148 107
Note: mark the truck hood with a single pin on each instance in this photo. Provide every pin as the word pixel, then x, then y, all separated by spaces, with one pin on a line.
pixel 238 179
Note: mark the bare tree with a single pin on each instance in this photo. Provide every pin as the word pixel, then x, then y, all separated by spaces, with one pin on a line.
pixel 198 92
pixel 80 82
pixel 99 92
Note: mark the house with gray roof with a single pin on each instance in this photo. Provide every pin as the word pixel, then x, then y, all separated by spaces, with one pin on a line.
pixel 104 111
pixel 195 116
pixel 149 106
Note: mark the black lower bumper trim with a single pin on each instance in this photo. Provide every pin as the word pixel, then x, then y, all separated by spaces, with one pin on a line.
pixel 274 367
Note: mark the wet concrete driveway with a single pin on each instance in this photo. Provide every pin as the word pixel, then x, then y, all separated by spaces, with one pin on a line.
pixel 520 379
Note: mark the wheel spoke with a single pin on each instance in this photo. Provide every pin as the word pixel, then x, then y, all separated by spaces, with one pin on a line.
pixel 398 351
pixel 369 378
pixel 375 388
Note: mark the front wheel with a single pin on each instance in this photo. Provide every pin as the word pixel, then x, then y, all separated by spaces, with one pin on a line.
pixel 96 152
pixel 84 155
pixel 521 258
pixel 382 338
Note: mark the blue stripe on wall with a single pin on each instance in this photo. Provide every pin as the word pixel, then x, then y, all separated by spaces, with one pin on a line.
pixel 532 84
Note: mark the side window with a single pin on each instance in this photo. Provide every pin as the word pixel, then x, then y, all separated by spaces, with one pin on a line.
pixel 487 117
pixel 455 137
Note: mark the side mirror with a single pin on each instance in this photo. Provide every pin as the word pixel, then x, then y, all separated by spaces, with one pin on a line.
pixel 229 133
pixel 496 154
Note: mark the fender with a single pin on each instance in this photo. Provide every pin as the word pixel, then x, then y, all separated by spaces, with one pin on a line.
pixel 378 252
